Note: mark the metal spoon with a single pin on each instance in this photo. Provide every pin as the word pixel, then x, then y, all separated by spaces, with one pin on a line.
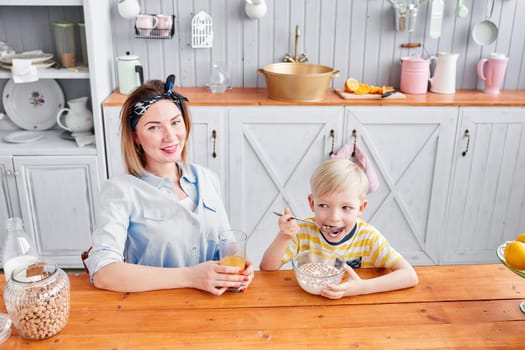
pixel 324 228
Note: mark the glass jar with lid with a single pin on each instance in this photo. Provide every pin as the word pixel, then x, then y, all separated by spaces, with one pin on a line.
pixel 65 43
pixel 37 298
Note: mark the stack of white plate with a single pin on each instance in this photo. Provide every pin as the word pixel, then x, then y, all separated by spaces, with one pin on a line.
pixel 39 60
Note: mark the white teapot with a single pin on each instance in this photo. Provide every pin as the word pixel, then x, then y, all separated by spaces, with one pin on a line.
pixel 78 117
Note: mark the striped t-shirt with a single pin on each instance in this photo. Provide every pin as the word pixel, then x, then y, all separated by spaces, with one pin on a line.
pixel 364 246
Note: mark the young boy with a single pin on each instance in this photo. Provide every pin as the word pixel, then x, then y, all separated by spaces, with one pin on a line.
pixel 338 195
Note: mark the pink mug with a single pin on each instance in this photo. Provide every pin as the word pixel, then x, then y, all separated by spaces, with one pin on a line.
pixel 164 24
pixel 145 23
pixel 492 71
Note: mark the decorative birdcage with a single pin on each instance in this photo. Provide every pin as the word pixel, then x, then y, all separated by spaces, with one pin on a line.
pixel 201 30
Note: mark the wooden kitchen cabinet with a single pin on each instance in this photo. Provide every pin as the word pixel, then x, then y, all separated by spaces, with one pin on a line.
pixel 487 196
pixel 273 152
pixel 52 183
pixel 28 25
pixel 54 195
pixel 208 140
pixel 411 150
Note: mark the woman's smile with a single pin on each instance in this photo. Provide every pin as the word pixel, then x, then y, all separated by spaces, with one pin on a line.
pixel 170 149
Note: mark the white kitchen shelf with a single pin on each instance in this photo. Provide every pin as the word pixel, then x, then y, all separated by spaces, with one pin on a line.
pixel 41 2
pixel 52 73
pixel 51 143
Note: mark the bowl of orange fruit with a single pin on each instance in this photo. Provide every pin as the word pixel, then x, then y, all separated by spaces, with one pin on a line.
pixel 512 255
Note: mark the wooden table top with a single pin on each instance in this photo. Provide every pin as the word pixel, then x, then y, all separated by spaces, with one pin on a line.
pixel 200 96
pixel 453 307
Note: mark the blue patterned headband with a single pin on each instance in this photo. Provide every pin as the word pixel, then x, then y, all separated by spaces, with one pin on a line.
pixel 141 107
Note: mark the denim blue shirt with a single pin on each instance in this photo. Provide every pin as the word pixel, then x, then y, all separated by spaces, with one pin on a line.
pixel 140 220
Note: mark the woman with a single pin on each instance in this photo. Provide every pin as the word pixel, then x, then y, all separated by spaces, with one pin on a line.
pixel 158 226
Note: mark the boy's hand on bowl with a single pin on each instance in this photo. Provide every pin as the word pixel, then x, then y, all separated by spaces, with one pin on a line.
pixel 351 285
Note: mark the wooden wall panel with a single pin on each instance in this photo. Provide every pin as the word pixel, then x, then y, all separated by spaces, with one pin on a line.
pixel 356 37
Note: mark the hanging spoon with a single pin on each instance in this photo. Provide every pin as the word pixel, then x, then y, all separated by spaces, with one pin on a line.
pixel 323 229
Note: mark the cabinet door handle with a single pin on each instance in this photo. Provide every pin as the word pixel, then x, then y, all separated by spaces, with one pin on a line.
pixel 12 173
pixel 466 135
pixel 332 136
pixel 214 138
pixel 354 135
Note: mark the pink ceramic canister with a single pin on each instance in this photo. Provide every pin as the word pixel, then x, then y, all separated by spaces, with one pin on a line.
pixel 415 72
pixel 492 71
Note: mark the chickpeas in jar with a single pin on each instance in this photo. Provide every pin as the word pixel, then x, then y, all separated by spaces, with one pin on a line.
pixel 37 299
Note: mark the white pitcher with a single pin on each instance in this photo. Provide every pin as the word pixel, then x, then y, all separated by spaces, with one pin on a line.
pixel 443 81
pixel 78 117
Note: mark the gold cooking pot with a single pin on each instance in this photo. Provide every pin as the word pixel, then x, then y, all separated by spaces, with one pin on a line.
pixel 304 82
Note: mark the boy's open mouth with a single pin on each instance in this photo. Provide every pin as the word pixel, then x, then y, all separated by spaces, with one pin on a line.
pixel 332 231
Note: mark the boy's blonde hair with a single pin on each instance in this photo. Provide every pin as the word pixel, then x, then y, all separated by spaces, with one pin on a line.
pixel 336 175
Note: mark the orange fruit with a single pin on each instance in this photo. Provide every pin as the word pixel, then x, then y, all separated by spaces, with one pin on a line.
pixel 363 89
pixel 514 253
pixel 521 237
pixel 351 85
pixel 372 89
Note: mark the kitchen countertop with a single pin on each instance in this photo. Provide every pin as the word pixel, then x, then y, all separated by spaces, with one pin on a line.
pixel 202 96
pixel 453 307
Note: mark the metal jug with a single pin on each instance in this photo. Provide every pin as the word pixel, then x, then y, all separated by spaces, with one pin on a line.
pixel 443 81
pixel 130 73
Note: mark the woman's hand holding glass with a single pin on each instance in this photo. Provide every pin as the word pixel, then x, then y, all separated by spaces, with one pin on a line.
pixel 212 277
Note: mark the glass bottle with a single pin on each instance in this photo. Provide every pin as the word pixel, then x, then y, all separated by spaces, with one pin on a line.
pixel 19 249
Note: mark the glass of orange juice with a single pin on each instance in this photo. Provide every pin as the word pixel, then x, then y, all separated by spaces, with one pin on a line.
pixel 232 250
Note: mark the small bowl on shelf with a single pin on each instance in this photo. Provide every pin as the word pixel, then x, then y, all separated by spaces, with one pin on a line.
pixel 315 269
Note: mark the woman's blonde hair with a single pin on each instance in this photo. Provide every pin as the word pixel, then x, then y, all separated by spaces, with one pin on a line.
pixel 132 153
pixel 337 175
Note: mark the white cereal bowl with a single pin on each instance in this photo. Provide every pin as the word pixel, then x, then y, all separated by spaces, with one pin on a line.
pixel 314 269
